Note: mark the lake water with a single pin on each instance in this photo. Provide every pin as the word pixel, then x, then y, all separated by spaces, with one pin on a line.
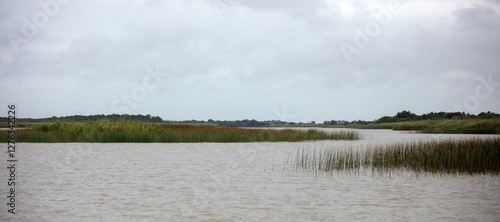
pixel 232 182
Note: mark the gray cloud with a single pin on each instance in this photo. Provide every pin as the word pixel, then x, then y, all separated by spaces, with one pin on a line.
pixel 243 59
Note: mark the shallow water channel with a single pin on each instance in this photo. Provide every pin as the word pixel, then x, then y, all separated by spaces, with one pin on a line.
pixel 233 182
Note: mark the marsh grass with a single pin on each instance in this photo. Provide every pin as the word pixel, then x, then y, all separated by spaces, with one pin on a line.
pixel 468 126
pixel 139 132
pixel 469 156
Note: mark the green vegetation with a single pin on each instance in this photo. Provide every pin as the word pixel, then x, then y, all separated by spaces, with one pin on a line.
pixel 470 156
pixel 440 122
pixel 31 122
pixel 405 116
pixel 140 132
pixel 465 126
pixel 469 126
pixel 80 118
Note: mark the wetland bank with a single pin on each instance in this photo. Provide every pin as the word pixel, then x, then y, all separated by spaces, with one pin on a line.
pixel 147 132
pixel 237 181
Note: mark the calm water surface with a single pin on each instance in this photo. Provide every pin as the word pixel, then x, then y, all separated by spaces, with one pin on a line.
pixel 233 182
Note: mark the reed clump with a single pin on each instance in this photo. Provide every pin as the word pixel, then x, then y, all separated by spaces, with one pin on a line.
pixel 469 156
pixel 140 132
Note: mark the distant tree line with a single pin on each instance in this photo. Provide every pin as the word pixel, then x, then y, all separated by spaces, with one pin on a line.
pixel 345 122
pixel 243 123
pixel 399 117
pixel 228 123
pixel 80 118
pixel 409 116
pixel 405 116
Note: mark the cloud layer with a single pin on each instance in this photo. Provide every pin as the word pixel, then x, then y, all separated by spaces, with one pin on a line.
pixel 236 59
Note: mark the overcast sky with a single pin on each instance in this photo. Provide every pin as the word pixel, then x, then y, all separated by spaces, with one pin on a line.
pixel 294 60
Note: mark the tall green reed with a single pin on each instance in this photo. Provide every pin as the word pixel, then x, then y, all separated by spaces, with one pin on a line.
pixel 139 132
pixel 468 156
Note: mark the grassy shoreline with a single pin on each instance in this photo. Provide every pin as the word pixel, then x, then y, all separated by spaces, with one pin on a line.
pixel 469 156
pixel 140 132
pixel 465 126
pixel 452 126
pixel 477 126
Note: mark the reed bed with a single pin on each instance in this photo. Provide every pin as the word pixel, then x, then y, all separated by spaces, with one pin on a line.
pixel 140 132
pixel 469 156
pixel 467 126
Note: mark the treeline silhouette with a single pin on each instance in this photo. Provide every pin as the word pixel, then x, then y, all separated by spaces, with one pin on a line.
pixel 403 116
pixel 81 118
pixel 227 123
